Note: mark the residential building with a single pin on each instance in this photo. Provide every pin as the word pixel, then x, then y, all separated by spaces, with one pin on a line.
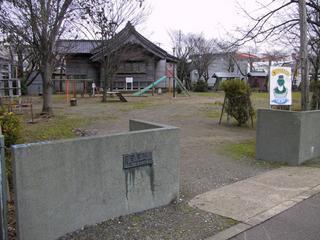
pixel 225 66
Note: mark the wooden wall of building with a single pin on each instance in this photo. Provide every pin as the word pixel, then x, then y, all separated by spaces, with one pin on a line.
pixel 80 66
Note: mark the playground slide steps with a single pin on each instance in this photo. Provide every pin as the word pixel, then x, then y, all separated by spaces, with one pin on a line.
pixel 121 97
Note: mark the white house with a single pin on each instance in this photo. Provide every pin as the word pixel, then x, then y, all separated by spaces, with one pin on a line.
pixel 226 66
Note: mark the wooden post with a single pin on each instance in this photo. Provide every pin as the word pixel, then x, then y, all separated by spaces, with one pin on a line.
pixel 304 56
pixel 3 193
pixel 222 110
pixel 154 74
pixel 74 89
pixel 67 90
pixel 31 109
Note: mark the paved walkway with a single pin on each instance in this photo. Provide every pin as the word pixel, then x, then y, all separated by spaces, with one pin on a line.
pixel 255 200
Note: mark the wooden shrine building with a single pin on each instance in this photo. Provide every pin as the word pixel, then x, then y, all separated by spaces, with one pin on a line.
pixel 139 61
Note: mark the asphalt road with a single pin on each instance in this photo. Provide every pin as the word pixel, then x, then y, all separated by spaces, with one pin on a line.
pixel 301 222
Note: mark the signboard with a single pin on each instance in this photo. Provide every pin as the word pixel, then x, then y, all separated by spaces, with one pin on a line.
pixel 129 79
pixel 170 71
pixel 134 160
pixel 280 86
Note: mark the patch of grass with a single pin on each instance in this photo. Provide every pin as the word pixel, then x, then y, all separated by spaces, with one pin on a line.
pixel 261 100
pixel 214 104
pixel 136 218
pixel 229 221
pixel 125 107
pixel 58 127
pixel 313 163
pixel 245 150
pixel 259 95
pixel 180 116
pixel 211 110
pixel 239 150
pixel 213 114
pixel 208 94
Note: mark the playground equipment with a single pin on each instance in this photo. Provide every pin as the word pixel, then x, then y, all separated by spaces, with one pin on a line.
pixel 10 85
pixel 10 90
pixel 72 86
pixel 152 85
pixel 183 89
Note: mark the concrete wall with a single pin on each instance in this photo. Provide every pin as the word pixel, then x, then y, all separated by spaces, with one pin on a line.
pixel 61 186
pixel 285 136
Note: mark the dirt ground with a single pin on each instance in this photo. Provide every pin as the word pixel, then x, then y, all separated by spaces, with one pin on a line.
pixel 203 165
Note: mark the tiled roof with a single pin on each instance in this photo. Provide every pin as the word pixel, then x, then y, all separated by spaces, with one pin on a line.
pixel 77 46
pixel 224 75
pixel 240 56
pixel 258 74
pixel 123 37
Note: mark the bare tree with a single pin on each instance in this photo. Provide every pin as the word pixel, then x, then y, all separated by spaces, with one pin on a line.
pixel 274 25
pixel 314 41
pixel 27 61
pixel 274 56
pixel 182 51
pixel 104 19
pixel 201 54
pixel 39 24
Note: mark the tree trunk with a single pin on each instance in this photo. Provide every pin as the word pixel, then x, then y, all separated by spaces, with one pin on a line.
pixel 20 65
pixel 105 87
pixel 46 73
pixel 304 56
pixel 110 78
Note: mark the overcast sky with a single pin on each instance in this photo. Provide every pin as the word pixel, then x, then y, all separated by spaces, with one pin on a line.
pixel 214 18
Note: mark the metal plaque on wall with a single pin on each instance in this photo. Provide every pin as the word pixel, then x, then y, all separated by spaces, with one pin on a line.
pixel 134 160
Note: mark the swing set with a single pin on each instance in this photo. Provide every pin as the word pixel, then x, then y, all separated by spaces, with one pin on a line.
pixel 72 87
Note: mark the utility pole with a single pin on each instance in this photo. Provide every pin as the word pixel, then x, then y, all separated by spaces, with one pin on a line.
pixel 174 75
pixel 304 56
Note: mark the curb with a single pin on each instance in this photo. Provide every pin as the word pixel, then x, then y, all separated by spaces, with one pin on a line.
pixel 264 216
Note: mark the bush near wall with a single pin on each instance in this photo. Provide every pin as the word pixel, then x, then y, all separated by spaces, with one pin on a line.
pixel 315 100
pixel 238 103
pixel 11 128
pixel 200 86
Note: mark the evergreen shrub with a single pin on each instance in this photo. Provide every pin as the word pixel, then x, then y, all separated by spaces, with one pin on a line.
pixel 238 103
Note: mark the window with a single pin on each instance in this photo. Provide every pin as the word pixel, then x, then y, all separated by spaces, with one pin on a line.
pixel 132 67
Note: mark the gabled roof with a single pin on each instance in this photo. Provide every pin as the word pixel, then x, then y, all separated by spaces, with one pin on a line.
pixel 224 75
pixel 258 74
pixel 243 56
pixel 129 35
